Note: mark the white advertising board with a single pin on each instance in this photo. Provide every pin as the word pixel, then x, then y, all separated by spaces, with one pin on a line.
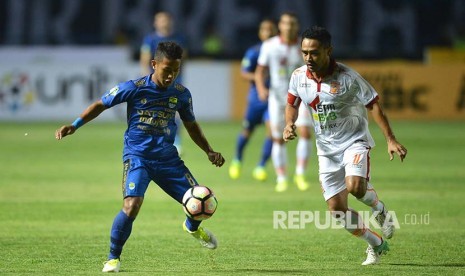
pixel 51 85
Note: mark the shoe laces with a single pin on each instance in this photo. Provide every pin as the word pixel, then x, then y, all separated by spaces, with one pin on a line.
pixel 371 254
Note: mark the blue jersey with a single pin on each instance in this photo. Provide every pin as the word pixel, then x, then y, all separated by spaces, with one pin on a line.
pixel 249 64
pixel 150 116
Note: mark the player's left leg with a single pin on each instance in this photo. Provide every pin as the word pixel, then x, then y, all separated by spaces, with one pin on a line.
pixel 358 164
pixel 175 179
pixel 354 224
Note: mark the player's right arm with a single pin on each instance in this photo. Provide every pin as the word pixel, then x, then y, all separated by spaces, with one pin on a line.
pixel 260 76
pixel 291 111
pixel 261 72
pixel 91 112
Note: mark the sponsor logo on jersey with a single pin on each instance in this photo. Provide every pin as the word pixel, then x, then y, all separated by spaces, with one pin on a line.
pixel 172 102
pixel 113 91
pixel 305 85
pixel 139 82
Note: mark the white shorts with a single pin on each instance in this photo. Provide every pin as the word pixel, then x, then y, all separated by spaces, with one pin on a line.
pixel 355 160
pixel 277 113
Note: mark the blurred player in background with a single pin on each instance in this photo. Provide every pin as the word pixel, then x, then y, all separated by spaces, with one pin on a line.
pixel 149 153
pixel 257 109
pixel 164 31
pixel 280 55
pixel 338 98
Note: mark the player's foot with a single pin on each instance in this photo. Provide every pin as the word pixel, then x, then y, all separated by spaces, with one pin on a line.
pixel 259 173
pixel 281 186
pixel 374 253
pixel 205 237
pixel 301 183
pixel 235 169
pixel 112 265
pixel 386 222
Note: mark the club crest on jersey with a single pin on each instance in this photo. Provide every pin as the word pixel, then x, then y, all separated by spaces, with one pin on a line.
pixel 172 102
pixel 334 87
pixel 143 101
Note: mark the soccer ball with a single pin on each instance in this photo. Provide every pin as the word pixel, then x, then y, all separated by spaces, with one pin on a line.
pixel 199 203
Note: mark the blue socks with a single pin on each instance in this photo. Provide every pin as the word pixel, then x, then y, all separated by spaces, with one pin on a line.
pixel 240 145
pixel 266 151
pixel 192 225
pixel 120 232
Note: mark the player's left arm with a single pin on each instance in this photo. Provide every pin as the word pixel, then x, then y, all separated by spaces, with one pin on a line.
pixel 382 121
pixel 196 134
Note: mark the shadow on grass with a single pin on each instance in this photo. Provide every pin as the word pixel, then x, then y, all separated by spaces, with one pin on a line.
pixel 434 265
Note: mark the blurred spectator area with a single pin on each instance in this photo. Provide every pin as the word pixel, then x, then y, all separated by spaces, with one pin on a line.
pixel 368 29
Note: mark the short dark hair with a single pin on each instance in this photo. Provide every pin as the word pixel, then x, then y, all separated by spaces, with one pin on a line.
pixel 318 33
pixel 169 49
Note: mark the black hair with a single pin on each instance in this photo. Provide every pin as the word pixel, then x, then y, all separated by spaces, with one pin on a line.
pixel 318 33
pixel 168 49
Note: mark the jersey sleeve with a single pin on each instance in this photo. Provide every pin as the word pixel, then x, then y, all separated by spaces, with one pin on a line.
pixel 249 61
pixel 292 94
pixel 119 94
pixel 186 111
pixel 366 93
pixel 264 57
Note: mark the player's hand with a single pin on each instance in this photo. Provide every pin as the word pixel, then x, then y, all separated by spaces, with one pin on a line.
pixel 263 95
pixel 396 147
pixel 64 131
pixel 289 133
pixel 216 158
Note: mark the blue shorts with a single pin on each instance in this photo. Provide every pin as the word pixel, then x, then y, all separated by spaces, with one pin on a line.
pixel 170 174
pixel 256 114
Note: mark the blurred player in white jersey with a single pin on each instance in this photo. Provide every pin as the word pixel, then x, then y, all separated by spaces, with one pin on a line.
pixel 338 99
pixel 280 55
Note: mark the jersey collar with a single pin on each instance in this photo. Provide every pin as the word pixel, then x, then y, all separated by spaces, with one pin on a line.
pixel 332 68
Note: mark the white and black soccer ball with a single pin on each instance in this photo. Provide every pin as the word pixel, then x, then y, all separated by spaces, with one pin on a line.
pixel 199 203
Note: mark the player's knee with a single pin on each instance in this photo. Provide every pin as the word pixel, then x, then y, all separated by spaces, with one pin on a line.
pixel 356 186
pixel 132 206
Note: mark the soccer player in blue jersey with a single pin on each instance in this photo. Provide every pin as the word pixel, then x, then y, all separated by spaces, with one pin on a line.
pixel 149 153
pixel 163 31
pixel 257 110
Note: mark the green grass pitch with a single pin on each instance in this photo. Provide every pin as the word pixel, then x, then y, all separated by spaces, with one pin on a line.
pixel 58 200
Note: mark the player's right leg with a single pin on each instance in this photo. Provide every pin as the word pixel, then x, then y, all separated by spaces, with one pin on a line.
pixel 135 183
pixel 303 150
pixel 248 125
pixel 279 151
pixel 259 172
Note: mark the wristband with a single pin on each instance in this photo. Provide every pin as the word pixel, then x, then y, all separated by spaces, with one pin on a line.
pixel 78 123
